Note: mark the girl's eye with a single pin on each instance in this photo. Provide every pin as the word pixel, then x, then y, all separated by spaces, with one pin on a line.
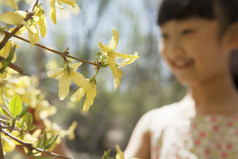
pixel 164 36
pixel 187 31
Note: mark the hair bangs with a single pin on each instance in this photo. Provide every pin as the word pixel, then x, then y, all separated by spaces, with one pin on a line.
pixel 183 9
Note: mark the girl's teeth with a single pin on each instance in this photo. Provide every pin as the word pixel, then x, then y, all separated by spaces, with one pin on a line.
pixel 182 63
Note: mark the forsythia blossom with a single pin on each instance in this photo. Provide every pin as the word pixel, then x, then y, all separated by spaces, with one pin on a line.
pixel 26 88
pixel 72 3
pixel 65 75
pixel 90 95
pixel 12 3
pixel 17 18
pixel 120 154
pixel 4 52
pixel 108 51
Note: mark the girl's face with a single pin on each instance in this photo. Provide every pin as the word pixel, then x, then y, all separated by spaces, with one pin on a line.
pixel 194 50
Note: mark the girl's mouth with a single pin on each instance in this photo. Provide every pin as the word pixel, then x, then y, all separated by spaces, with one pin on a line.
pixel 182 64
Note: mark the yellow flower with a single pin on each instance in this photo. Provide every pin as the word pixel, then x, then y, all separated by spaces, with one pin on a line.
pixel 8 144
pixel 52 11
pixel 12 3
pixel 108 51
pixel 90 95
pixel 4 52
pixel 65 75
pixel 71 129
pixel 40 20
pixel 33 33
pixel 119 154
pixel 72 3
pixel 11 18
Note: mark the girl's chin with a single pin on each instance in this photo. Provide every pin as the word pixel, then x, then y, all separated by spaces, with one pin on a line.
pixel 189 81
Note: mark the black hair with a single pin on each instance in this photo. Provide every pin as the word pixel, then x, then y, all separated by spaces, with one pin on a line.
pixel 224 11
pixel 183 9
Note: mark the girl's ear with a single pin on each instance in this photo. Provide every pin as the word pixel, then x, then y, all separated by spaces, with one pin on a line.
pixel 233 37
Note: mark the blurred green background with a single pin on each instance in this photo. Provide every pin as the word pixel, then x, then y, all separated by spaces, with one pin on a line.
pixel 145 84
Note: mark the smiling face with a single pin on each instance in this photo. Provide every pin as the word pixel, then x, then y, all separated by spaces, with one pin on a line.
pixel 194 51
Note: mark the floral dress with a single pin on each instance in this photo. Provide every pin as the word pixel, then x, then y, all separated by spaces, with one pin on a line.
pixel 200 137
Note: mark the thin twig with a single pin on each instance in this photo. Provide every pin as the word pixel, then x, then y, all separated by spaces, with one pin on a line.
pixel 1 148
pixel 52 50
pixel 29 15
pixel 29 145
pixel 13 66
pixel 10 128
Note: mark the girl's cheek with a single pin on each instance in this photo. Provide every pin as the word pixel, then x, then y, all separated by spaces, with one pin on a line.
pixel 161 47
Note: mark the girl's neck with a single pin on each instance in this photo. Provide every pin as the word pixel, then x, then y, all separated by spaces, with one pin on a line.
pixel 217 96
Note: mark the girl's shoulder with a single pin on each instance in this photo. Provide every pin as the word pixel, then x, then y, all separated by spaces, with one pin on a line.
pixel 165 115
pixel 159 116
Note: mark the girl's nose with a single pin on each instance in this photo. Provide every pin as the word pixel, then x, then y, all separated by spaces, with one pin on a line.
pixel 174 48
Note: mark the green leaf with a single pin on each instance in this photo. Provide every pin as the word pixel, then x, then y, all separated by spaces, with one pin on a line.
pixel 27 118
pixel 106 154
pixel 31 127
pixel 51 141
pixel 3 110
pixel 23 111
pixel 18 124
pixel 5 99
pixel 15 106
pixel 41 143
pixel 6 62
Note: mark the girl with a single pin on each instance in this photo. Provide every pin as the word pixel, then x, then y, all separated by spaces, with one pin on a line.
pixel 199 39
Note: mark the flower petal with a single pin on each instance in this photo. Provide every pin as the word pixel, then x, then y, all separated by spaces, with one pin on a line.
pixel 33 34
pixel 52 11
pixel 71 130
pixel 42 25
pixel 55 73
pixel 8 144
pixel 4 52
pixel 119 154
pixel 72 3
pixel 12 3
pixel 117 55
pixel 114 40
pixel 80 80
pixel 77 96
pixel 11 18
pixel 76 65
pixel 127 61
pixel 90 97
pixel 117 73
pixel 64 84
pixel 103 48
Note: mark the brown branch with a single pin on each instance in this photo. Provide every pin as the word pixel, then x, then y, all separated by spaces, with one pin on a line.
pixel 29 15
pixel 33 5
pixel 13 66
pixel 52 50
pixel 29 145
pixel 1 148
pixel 10 128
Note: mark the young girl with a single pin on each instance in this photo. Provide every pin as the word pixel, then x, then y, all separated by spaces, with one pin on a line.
pixel 199 39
